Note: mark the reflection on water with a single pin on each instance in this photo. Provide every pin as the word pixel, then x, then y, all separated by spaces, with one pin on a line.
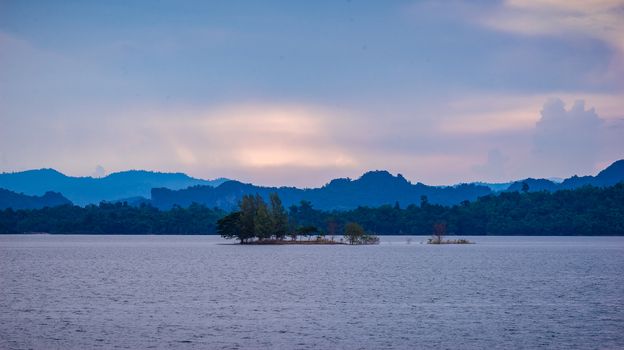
pixel 76 292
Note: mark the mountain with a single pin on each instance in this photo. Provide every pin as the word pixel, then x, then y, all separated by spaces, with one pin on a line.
pixel 495 187
pixel 86 190
pixel 10 199
pixel 535 185
pixel 610 176
pixel 373 189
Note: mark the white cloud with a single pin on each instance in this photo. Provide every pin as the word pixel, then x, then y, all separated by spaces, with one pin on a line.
pixel 256 135
pixel 568 141
pixel 601 20
pixel 306 144
pixel 494 168
pixel 99 171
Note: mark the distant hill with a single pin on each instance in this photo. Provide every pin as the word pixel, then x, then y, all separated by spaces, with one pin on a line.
pixel 610 176
pixel 86 190
pixel 373 189
pixel 496 187
pixel 10 199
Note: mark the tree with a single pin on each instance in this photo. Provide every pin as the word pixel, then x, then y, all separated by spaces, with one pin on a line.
pixel 353 232
pixel 262 220
pixel 248 210
pixel 331 228
pixel 230 227
pixel 279 218
pixel 307 231
pixel 439 231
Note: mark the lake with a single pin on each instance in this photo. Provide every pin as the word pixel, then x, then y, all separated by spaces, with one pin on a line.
pixel 195 292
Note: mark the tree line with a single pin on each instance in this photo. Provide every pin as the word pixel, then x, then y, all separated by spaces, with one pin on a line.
pixel 111 218
pixel 583 211
pixel 589 211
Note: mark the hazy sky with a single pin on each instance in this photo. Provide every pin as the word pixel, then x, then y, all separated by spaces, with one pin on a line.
pixel 299 92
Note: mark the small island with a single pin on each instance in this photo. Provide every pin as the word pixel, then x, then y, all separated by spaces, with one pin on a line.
pixel 259 223
pixel 439 231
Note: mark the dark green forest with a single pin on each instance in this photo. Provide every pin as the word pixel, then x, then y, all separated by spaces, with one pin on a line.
pixel 583 211
pixel 111 218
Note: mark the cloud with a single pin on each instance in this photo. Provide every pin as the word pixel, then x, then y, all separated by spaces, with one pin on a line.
pixel 559 142
pixel 259 142
pixel 258 135
pixel 494 167
pixel 485 122
pixel 193 101
pixel 568 141
pixel 438 139
pixel 601 20
pixel 99 171
pixel 306 144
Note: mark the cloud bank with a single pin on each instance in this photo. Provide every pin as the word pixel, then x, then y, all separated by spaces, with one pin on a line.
pixel 571 20
pixel 442 92
pixel 567 140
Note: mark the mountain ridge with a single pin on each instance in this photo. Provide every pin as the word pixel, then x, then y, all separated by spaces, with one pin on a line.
pixel 609 176
pixel 373 188
pixel 14 200
pixel 89 190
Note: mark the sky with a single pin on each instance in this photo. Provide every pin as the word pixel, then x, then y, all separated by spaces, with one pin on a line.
pixel 300 92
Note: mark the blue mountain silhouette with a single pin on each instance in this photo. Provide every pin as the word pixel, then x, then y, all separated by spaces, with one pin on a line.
pixel 86 190
pixel 14 200
pixel 164 190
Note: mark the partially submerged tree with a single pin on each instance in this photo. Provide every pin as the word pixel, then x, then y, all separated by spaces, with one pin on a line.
pixel 332 227
pixel 353 232
pixel 439 231
pixel 307 231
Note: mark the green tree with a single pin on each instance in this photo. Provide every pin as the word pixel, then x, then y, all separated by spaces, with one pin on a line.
pixel 424 201
pixel 230 227
pixel 279 218
pixel 307 231
pixel 353 232
pixel 262 220
pixel 248 209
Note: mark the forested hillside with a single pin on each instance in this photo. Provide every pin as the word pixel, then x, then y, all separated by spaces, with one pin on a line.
pixel 584 211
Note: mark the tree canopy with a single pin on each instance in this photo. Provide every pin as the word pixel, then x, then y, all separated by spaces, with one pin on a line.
pixel 584 211
pixel 255 220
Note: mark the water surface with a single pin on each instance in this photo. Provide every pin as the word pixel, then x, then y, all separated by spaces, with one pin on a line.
pixel 194 292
